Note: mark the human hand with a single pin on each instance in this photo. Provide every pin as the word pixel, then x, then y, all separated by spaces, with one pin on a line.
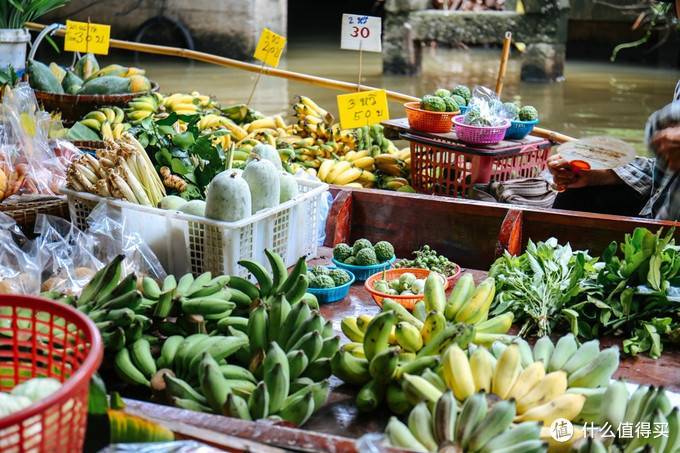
pixel 666 143
pixel 563 175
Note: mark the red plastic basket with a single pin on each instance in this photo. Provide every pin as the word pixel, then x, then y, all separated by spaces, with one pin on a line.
pixel 407 302
pixel 443 171
pixel 479 135
pixel 427 121
pixel 43 338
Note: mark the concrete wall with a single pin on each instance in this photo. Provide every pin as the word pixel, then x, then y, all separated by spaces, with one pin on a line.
pixel 227 27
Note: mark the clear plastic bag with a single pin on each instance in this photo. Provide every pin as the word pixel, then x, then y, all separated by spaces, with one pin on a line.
pixel 486 109
pixel 28 164
pixel 180 446
pixel 19 270
pixel 112 238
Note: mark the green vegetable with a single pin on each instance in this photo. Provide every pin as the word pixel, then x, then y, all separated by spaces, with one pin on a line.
pixel 71 83
pixel 341 252
pixel 41 78
pixel 432 103
pixel 366 257
pixel 442 93
pixel 528 113
pixel 360 244
pixel 384 251
pixel 228 197
pixel 80 132
pixel 460 100
pixel 451 105
pixel 319 270
pixel 8 76
pixel 351 261
pixel 464 92
pixel 106 85
pixel 265 188
pixel 322 281
pixel 426 258
pixel 339 276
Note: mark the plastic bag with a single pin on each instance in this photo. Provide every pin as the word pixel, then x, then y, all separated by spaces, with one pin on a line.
pixel 28 164
pixel 64 254
pixel 485 109
pixel 19 270
pixel 183 446
pixel 112 238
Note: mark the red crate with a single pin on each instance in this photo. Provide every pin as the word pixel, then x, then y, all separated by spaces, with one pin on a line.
pixel 441 167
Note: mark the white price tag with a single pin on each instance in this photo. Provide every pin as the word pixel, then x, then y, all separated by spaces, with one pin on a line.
pixel 361 33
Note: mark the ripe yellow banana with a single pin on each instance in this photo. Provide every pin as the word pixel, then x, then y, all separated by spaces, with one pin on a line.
pixel 338 169
pixel 365 163
pixel 551 386
pixel 347 176
pixel 531 376
pixel 567 406
pixel 325 169
pixel 482 364
pixel 477 308
pixel 508 368
pixel 457 372
pixel 264 123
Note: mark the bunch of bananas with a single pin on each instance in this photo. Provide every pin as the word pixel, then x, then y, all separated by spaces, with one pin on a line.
pixel 354 169
pixel 108 122
pixel 435 422
pixel 142 107
pixel 187 104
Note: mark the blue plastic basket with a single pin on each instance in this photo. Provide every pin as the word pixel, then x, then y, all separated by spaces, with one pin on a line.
pixel 463 109
pixel 330 295
pixel 520 129
pixel 363 272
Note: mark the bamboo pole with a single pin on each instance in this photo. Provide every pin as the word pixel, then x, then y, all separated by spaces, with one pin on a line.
pixel 274 72
pixel 505 55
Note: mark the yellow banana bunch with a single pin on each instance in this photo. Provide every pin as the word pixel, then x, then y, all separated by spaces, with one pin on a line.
pixel 182 104
pixel 391 165
pixel 108 122
pixel 344 173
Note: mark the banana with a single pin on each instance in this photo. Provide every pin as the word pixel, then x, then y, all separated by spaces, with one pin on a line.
pixel 673 442
pixel 330 346
pixel 444 419
pixel 420 425
pixel 434 379
pixel 482 365
pixel 528 378
pixel 298 314
pixel 257 328
pixel 473 412
pixel 236 407
pixel 396 399
pixel 598 371
pixel 102 283
pixel 543 349
pixel 350 369
pixel 183 285
pixel 244 286
pixel 258 402
pixel 261 275
pixel 507 370
pixel 524 351
pixel 419 310
pixel 279 269
pixel 402 313
pixel 400 436
pixel 370 396
pixel 209 305
pixel 348 176
pixel 635 403
pixel 297 363
pixel 497 324
pixel 433 324
pixel 377 334
pixel 383 367
pixel 299 269
pixel 213 384
pixel 141 357
pixel 408 337
pixel 463 290
pixel 457 372
pixel 318 370
pixel 497 348
pixel 420 389
pixel 564 349
pixel 178 388
pixel 364 163
pixel 551 386
pixel 299 289
pixel 119 115
pixel 117 131
pixel 496 422
pixel 583 355
pixel 276 373
pixel 614 403
pixel 528 446
pixel 592 407
pixel 310 343
pixel 477 308
pixel 279 308
pixel 150 288
pixel 325 169
pixel 314 322
pixel 168 351
pixel 339 168
pixel 518 435
pixel 130 300
pixel 127 370
pixel 417 365
pixel 567 405
pixel 185 346
pixel 433 294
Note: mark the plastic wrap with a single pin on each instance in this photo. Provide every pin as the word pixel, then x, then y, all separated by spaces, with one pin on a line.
pixel 19 269
pixel 485 109
pixel 64 254
pixel 28 164
pixel 183 446
pixel 107 227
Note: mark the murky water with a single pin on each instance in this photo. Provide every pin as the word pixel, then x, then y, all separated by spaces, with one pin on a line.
pixel 595 98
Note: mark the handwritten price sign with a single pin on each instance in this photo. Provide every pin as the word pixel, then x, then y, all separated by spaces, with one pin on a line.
pixel 362 109
pixel 270 47
pixel 361 33
pixel 87 37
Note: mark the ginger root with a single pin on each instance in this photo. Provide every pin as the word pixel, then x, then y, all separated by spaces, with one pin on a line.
pixel 172 181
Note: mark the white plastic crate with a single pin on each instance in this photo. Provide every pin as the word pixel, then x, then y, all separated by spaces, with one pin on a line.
pixel 185 243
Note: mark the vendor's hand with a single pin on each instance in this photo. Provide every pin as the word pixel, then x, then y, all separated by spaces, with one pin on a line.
pixel 667 145
pixel 563 175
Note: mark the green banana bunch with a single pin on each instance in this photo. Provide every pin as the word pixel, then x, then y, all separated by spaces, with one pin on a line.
pixel 476 428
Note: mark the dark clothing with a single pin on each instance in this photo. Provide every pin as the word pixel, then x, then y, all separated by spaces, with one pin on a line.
pixel 617 200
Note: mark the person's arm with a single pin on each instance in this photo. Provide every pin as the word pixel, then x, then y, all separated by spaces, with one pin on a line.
pixel 564 178
pixel 663 135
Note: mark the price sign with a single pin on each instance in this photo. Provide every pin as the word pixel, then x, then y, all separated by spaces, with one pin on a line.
pixel 270 47
pixel 362 109
pixel 361 33
pixel 87 37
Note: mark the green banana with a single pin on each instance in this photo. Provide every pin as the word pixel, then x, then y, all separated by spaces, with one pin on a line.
pixel 420 424
pixel 258 402
pixel 444 418
pixel 168 351
pixel 408 337
pixel 496 422
pixel 141 357
pixel 102 283
pixel 299 269
pixel 396 399
pixel 329 347
pixel 276 376
pixel 543 349
pixel 236 407
pixel 614 403
pixel 403 315
pixel 189 404
pixel 183 285
pixel 525 351
pixel 178 388
pixel 298 290
pixel 237 372
pixel 313 323
pixel 460 294
pixel 206 306
pixel 213 385
pixel 598 371
pixel 298 410
pixel 297 363
pixel 564 349
pixel 169 284
pixel 130 300
pixel 126 285
pixel 318 370
pixel 257 328
pixel 297 315
pixel 350 369
pixel 278 312
pixel 383 367
pixel 198 283
pixel 401 437
pixel 279 269
pixel 473 412
pixel 127 370
pixel 528 446
pixel 419 310
pixel 237 322
pixel 311 343
pixel 377 334
pixel 583 355
pixel 418 389
pixel 434 323
pixel 150 288
pixel 434 295
pixel 261 275
pixel 244 286
pixel 351 329
pixel 527 431
pixel 417 365
pixel 434 379
pixel 370 396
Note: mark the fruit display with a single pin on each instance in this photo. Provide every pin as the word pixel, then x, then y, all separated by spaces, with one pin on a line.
pixel 406 285
pixel 478 426
pixel 123 170
pixel 521 113
pixel 325 278
pixel 428 258
pixel 440 101
pixel 363 253
pixel 107 123
pixel 86 77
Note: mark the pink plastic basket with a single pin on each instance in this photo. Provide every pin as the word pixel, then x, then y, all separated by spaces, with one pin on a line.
pixel 479 135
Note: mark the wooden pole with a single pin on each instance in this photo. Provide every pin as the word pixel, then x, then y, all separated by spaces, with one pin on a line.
pixel 275 72
pixel 504 63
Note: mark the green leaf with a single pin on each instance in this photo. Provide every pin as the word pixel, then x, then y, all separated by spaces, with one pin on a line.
pixel 97 402
pixel 184 140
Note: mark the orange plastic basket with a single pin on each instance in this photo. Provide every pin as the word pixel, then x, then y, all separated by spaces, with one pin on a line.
pixel 43 338
pixel 426 121
pixel 407 302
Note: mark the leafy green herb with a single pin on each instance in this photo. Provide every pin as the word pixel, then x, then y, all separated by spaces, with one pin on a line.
pixel 8 76
pixel 15 13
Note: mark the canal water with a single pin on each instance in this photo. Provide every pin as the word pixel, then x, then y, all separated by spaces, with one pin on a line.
pixel 594 99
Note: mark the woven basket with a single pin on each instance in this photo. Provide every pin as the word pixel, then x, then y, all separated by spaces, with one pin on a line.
pixel 74 106
pixel 25 212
